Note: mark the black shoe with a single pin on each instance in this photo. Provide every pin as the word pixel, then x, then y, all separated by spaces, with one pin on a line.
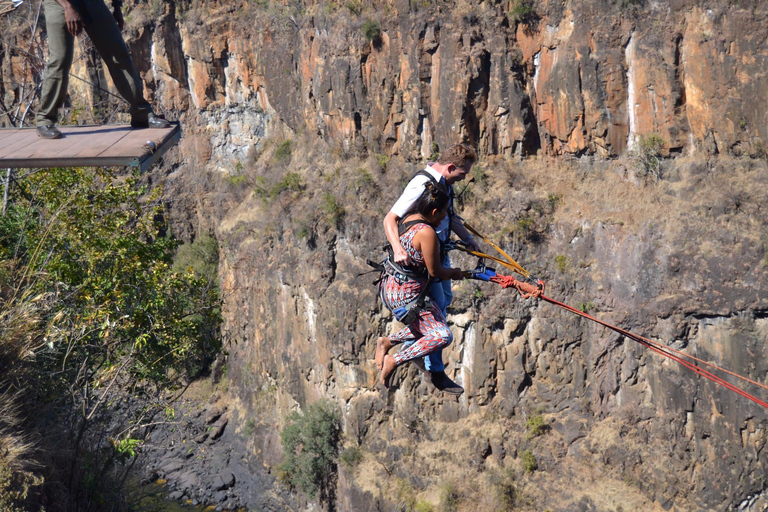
pixel 48 131
pixel 444 383
pixel 151 122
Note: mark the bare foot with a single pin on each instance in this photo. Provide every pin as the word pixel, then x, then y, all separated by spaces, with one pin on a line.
pixel 382 347
pixel 388 368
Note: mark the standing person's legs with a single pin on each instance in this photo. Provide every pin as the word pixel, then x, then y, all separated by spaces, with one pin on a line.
pixel 108 41
pixel 61 46
pixel 441 296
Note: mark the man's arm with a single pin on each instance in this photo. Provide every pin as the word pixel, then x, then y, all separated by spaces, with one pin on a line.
pixel 463 233
pixel 71 17
pixel 399 210
pixel 393 237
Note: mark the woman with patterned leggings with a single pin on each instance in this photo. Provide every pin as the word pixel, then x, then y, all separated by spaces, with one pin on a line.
pixel 430 330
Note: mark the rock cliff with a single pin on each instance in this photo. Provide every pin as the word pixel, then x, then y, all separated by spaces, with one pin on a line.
pixel 300 129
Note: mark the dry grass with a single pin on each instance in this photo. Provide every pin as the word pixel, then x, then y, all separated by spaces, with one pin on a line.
pixel 20 335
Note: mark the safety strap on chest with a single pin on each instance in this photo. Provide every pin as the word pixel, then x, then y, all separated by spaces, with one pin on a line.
pixel 448 190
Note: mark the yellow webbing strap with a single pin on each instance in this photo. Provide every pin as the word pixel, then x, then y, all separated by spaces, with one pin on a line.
pixel 509 262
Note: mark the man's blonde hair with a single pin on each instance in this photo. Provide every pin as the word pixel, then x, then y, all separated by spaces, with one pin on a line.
pixel 459 155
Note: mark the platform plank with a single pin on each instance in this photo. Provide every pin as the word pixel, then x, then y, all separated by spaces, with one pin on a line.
pixel 100 141
pixel 133 139
pixel 5 134
pixel 106 145
pixel 17 142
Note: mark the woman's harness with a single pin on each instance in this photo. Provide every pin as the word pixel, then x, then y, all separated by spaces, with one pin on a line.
pixel 409 311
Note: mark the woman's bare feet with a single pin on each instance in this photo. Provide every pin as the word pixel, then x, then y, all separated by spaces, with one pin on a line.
pixel 382 347
pixel 387 369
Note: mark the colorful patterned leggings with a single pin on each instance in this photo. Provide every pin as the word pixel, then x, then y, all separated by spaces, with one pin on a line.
pixel 429 332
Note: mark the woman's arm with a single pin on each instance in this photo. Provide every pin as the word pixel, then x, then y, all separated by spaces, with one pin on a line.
pixel 426 241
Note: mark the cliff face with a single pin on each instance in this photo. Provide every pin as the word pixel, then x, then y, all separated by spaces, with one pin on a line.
pixel 299 133
pixel 591 78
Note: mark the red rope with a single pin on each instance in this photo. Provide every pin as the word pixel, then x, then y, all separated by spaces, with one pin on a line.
pixel 529 290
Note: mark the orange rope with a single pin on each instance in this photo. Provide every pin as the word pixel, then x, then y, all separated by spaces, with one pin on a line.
pixel 529 290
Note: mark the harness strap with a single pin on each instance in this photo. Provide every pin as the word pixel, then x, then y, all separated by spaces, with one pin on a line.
pixel 448 190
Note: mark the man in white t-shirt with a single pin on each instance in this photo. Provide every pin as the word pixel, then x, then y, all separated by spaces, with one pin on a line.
pixel 452 166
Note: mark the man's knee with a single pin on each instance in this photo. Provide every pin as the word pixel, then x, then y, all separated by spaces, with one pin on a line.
pixel 58 66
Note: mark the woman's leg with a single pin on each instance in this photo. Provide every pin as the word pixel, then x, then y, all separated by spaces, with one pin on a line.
pixel 383 345
pixel 434 332
pixel 431 333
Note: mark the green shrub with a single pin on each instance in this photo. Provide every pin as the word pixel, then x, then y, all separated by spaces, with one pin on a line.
pixel 382 160
pixel 13 230
pixel 435 152
pixel 536 426
pixel 561 261
pixel 649 148
pixel 201 257
pixel 284 151
pixel 372 30
pixel 479 174
pixel 364 179
pixel 529 461
pixel 423 506
pixel 291 182
pixel 507 493
pixel 97 296
pixel 334 212
pixel 524 226
pixel 15 487
pixel 355 7
pixel 351 457
pixel 586 307
pixel 310 444
pixel 405 495
pixel 237 179
pixel 523 11
pixel 450 497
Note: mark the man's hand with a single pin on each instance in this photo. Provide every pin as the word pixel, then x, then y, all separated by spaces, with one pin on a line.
pixel 472 244
pixel 457 274
pixel 72 18
pixel 118 14
pixel 401 257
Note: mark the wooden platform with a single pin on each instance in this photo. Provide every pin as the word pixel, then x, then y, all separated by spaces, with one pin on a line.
pixel 86 146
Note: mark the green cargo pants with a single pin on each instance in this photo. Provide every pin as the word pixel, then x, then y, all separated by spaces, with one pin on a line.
pixel 100 25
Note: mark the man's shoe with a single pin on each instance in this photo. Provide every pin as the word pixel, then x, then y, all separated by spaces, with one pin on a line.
pixel 152 122
pixel 48 131
pixel 444 383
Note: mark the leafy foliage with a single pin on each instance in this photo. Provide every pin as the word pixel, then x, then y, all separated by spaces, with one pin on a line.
pixel 529 461
pixel 536 426
pixel 96 312
pixel 310 450
pixel 201 256
pixel 372 30
pixel 351 457
pixel 333 209
pixel 523 11
pixel 284 151
pixel 648 152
